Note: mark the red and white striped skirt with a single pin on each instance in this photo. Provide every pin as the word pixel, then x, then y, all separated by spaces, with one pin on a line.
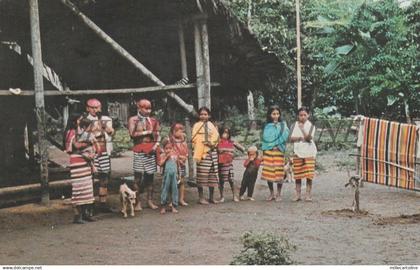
pixel 81 180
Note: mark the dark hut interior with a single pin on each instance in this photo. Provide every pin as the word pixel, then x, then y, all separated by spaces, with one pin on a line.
pixel 145 28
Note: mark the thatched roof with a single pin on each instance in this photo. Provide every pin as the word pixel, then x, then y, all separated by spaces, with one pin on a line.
pixel 147 29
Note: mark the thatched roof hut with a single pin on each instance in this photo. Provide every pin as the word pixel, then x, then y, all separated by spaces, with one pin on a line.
pixel 145 28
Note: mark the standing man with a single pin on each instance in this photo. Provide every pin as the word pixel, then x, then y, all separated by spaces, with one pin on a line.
pixel 144 130
pixel 103 131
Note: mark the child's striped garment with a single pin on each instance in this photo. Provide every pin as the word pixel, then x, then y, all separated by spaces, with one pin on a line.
pixel 273 166
pixel 388 153
pixel 304 168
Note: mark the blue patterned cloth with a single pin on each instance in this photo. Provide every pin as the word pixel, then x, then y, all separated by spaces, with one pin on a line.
pixel 275 135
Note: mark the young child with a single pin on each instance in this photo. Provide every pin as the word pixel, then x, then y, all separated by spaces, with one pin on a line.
pixel 225 150
pixel 205 138
pixel 304 149
pixel 85 135
pixel 252 164
pixel 169 162
pixel 81 171
pixel 275 135
pixel 178 140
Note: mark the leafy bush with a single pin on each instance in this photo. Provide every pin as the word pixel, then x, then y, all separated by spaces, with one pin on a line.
pixel 264 249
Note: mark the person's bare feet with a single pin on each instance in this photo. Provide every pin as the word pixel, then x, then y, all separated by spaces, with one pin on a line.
pixel 242 198
pixel 203 201
pixel 138 208
pixel 222 200
pixel 162 210
pixel 308 198
pixel 251 199
pixel 152 205
pixel 182 203
pixel 174 210
pixel 235 199
pixel 296 199
pixel 278 198
pixel 270 198
pixel 213 201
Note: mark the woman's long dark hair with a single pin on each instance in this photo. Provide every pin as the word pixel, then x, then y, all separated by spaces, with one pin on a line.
pixel 223 129
pixel 71 124
pixel 270 110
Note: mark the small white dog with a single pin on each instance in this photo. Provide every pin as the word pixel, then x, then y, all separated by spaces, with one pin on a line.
pixel 128 199
pixel 288 170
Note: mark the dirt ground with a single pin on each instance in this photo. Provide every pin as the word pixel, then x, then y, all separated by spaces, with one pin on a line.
pixel 323 230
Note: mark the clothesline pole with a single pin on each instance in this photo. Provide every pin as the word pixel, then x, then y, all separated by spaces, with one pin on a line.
pixel 387 162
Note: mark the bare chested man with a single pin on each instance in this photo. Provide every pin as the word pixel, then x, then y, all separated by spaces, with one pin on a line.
pixel 144 130
pixel 103 131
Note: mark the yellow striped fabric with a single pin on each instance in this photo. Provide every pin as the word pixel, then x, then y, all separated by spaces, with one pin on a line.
pixel 273 166
pixel 304 168
pixel 388 153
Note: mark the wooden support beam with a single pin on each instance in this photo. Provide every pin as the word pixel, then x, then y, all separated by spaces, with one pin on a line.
pixel 191 179
pixel 106 91
pixel 206 64
pixel 124 53
pixel 182 51
pixel 199 64
pixel 48 73
pixel 39 97
pixel 298 57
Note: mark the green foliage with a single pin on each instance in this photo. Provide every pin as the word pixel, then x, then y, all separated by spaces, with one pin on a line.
pixel 361 56
pixel 264 249
pixel 273 23
pixel 121 141
pixel 370 62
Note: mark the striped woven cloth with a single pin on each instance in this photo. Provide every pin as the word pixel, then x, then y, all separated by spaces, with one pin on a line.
pixel 388 153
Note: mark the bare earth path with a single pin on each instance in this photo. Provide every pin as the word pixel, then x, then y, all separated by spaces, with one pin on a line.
pixel 32 234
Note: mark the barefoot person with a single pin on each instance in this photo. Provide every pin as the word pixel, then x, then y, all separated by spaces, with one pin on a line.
pixel 204 139
pixel 144 130
pixel 304 149
pixel 169 163
pixel 80 146
pixel 178 140
pixel 103 131
pixel 275 135
pixel 225 149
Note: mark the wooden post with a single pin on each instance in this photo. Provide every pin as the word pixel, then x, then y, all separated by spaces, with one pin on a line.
pixel 124 53
pixel 206 64
pixel 199 64
pixel 191 179
pixel 182 52
pixel 39 97
pixel 298 53
pixel 83 92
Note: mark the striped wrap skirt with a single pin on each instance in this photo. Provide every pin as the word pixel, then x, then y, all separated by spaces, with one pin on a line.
pixel 273 166
pixel 304 168
pixel 143 163
pixel 81 181
pixel 103 163
pixel 226 172
pixel 208 171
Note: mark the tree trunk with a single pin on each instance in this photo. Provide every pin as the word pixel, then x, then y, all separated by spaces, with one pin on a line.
pixel 251 106
pixel 407 111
